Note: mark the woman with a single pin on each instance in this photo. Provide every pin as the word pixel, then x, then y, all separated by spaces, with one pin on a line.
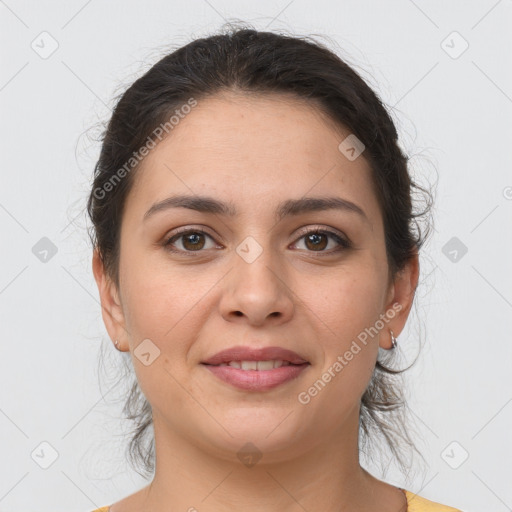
pixel 255 251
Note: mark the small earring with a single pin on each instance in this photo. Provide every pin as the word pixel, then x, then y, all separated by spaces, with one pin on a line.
pixel 394 343
pixel 116 343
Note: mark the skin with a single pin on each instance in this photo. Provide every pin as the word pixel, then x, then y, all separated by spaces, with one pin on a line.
pixel 254 151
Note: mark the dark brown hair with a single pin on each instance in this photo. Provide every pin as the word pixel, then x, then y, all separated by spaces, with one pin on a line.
pixel 251 61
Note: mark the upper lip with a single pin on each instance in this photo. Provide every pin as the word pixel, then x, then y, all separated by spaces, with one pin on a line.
pixel 240 353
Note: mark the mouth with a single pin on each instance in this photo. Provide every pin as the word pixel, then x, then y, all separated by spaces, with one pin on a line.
pixel 248 358
pixel 256 370
pixel 256 376
pixel 257 365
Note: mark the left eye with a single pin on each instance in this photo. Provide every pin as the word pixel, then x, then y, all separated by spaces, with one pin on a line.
pixel 315 240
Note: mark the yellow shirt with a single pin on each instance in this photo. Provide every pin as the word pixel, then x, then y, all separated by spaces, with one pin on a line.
pixel 415 503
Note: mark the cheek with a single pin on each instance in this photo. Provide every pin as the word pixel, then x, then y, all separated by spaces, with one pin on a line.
pixel 343 315
pixel 345 309
pixel 346 303
pixel 166 307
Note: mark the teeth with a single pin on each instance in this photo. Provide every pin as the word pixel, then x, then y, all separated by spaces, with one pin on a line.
pixel 265 365
pixel 249 365
pixel 256 365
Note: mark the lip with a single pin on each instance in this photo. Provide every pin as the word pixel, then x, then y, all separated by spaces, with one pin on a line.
pixel 257 380
pixel 240 353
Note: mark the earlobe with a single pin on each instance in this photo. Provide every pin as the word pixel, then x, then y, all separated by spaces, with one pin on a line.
pixel 111 307
pixel 401 295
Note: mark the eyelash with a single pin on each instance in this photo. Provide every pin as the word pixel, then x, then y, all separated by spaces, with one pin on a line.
pixel 343 243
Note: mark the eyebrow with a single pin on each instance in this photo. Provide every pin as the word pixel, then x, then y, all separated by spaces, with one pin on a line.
pixel 290 207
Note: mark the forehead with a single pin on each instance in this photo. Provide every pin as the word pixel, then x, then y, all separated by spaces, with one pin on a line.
pixel 253 148
pixel 263 127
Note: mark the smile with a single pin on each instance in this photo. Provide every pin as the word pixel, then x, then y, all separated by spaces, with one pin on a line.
pixel 256 365
pixel 257 375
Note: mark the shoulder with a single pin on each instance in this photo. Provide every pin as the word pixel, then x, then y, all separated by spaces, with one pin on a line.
pixel 417 503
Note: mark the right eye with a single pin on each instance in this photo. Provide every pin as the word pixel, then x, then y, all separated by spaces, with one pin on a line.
pixel 192 241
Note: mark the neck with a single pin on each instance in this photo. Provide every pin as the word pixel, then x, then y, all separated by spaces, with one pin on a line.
pixel 326 476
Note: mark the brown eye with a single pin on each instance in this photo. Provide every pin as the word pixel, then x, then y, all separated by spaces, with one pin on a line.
pixel 317 240
pixel 192 240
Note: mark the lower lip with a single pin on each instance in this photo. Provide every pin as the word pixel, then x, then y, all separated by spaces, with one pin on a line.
pixel 257 380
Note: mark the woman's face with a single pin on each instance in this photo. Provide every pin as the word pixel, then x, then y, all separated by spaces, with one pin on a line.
pixel 254 279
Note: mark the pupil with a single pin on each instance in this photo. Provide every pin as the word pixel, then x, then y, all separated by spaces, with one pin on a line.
pixel 192 239
pixel 315 238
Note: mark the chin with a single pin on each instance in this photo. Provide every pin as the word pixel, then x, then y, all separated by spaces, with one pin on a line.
pixel 264 433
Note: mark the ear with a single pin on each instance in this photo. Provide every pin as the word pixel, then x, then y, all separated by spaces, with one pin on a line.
pixel 111 308
pixel 401 292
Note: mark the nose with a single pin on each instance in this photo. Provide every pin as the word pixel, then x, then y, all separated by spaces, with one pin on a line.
pixel 256 293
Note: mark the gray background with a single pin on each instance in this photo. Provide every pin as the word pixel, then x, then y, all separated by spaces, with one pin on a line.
pixel 453 109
